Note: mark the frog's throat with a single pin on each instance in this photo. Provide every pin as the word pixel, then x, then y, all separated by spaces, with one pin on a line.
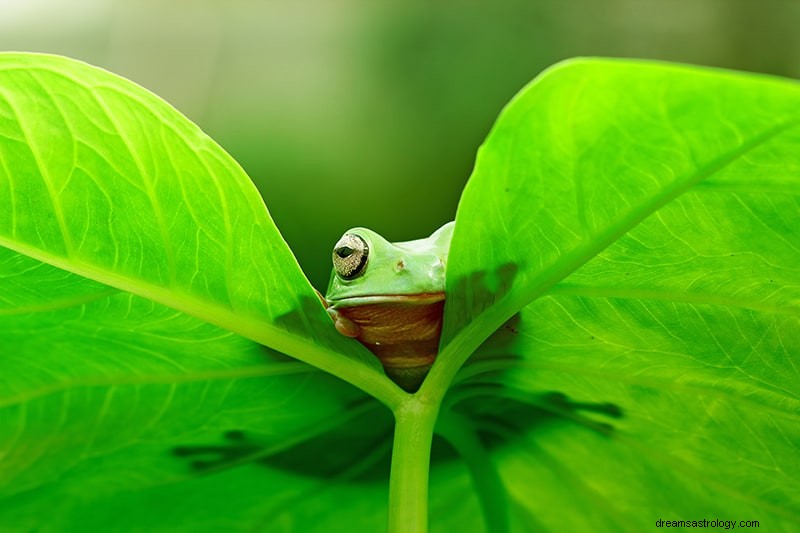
pixel 403 334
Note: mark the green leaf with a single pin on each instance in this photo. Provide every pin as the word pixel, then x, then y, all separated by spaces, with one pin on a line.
pixel 589 154
pixel 115 397
pixel 105 180
pixel 649 212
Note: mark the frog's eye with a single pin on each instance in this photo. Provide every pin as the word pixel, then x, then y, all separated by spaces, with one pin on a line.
pixel 350 256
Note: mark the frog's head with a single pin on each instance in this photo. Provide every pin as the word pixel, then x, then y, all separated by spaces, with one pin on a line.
pixel 390 296
pixel 367 269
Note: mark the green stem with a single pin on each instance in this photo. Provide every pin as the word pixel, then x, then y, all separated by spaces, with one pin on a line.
pixel 485 478
pixel 411 457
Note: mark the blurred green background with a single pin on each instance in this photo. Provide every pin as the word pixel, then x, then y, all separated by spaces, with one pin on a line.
pixel 363 113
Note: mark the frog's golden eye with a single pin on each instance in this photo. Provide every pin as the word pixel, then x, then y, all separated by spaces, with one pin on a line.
pixel 350 256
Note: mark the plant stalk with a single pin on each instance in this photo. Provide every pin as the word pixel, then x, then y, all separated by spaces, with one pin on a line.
pixel 411 457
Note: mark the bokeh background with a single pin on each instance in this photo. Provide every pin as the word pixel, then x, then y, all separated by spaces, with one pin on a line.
pixel 368 113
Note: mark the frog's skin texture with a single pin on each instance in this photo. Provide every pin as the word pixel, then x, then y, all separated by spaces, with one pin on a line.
pixel 390 296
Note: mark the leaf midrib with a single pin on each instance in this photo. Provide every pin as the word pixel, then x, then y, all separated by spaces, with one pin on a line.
pixel 582 254
pixel 264 332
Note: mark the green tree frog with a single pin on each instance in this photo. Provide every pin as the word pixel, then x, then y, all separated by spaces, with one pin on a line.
pixel 390 296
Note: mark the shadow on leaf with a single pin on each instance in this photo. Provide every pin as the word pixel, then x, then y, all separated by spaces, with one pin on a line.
pixel 360 450
pixel 471 295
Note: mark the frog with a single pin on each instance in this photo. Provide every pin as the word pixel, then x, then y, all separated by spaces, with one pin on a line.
pixel 390 297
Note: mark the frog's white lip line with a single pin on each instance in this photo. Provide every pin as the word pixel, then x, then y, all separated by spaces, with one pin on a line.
pixel 367 299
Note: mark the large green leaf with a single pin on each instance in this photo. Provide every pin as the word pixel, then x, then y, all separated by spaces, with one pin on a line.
pixel 591 150
pixel 653 210
pixel 100 178
pixel 122 394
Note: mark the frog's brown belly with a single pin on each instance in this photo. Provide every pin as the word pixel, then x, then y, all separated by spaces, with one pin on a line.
pixel 403 335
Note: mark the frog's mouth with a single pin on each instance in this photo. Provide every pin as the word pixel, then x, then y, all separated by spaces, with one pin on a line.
pixel 393 299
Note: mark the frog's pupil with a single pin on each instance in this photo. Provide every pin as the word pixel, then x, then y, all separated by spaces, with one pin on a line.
pixel 344 251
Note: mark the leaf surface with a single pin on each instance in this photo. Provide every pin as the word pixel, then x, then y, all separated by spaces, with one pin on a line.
pixel 593 149
pixel 650 214
pixel 121 394
pixel 614 412
pixel 105 180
